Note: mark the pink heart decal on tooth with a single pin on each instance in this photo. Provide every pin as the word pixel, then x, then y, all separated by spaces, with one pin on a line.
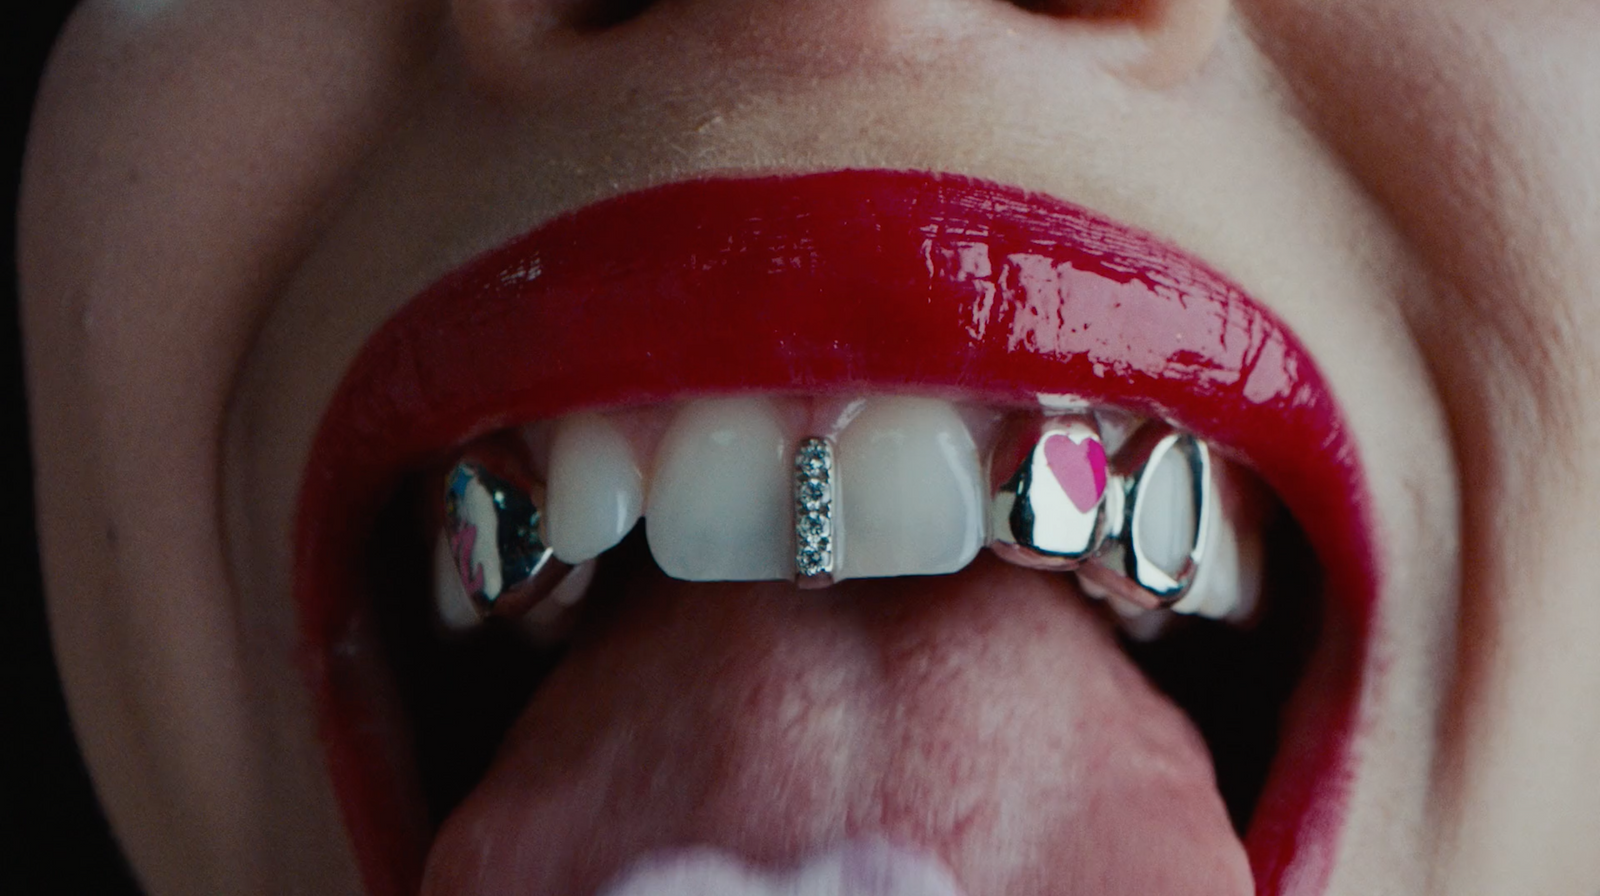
pixel 1080 468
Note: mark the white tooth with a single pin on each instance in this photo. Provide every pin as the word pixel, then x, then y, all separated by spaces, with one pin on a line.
pixel 451 603
pixel 1093 589
pixel 1147 628
pixel 1228 585
pixel 1139 624
pixel 1136 622
pixel 550 620
pixel 1167 513
pixel 911 491
pixel 595 492
pixel 719 505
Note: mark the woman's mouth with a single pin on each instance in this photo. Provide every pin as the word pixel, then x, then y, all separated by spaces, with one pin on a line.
pixel 975 710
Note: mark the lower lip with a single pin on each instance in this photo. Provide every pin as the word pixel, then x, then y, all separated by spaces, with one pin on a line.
pixel 835 282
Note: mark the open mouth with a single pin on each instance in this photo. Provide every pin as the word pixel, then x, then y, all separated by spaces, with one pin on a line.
pixel 992 715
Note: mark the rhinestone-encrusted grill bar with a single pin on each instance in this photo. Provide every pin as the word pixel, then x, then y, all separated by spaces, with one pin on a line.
pixel 813 512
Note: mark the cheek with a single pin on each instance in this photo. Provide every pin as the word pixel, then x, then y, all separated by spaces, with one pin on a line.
pixel 1476 126
pixel 179 155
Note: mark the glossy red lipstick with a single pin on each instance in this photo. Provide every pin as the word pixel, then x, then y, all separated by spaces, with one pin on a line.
pixel 825 283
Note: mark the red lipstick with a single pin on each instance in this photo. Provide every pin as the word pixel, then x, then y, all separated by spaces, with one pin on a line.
pixel 826 283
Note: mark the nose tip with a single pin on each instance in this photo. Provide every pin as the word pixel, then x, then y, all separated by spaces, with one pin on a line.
pixel 503 39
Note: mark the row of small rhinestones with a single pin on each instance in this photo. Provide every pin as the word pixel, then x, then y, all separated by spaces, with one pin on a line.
pixel 813 511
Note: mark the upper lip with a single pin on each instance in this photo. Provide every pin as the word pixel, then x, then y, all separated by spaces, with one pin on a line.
pixel 820 283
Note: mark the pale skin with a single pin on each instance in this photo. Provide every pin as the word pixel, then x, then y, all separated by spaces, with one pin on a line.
pixel 224 199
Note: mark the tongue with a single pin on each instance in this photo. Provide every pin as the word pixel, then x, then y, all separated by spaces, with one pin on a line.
pixel 986 718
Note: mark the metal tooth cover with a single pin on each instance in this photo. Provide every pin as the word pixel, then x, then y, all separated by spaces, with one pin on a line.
pixel 1052 508
pixel 492 527
pixel 1124 565
pixel 815 547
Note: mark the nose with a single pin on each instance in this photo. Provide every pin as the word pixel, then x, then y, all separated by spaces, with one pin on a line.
pixel 511 43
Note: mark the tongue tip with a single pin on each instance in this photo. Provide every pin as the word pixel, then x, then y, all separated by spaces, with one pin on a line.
pixel 872 867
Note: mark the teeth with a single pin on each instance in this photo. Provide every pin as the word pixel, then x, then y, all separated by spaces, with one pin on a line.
pixel 897 488
pixel 1049 512
pixel 552 619
pixel 545 623
pixel 719 507
pixel 489 558
pixel 1156 547
pixel 911 495
pixel 1141 625
pixel 472 527
pixel 1166 515
pixel 454 608
pixel 596 491
pixel 1228 585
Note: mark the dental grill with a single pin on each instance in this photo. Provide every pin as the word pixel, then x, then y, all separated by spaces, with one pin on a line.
pixel 1058 502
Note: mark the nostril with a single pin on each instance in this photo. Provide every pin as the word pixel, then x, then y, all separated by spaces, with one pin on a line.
pixel 503 40
pixel 1087 9
pixel 511 46
pixel 598 15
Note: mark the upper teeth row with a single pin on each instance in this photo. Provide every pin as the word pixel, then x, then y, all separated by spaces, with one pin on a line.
pixel 898 487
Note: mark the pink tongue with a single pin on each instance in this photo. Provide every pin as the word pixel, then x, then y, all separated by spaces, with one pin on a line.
pixel 986 717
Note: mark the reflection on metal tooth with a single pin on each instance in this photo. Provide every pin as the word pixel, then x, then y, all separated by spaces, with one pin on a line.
pixel 1123 567
pixel 1061 507
pixel 1051 509
pixel 1228 585
pixel 815 535
pixel 491 531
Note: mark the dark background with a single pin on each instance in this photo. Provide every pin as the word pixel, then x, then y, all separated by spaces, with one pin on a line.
pixel 53 838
